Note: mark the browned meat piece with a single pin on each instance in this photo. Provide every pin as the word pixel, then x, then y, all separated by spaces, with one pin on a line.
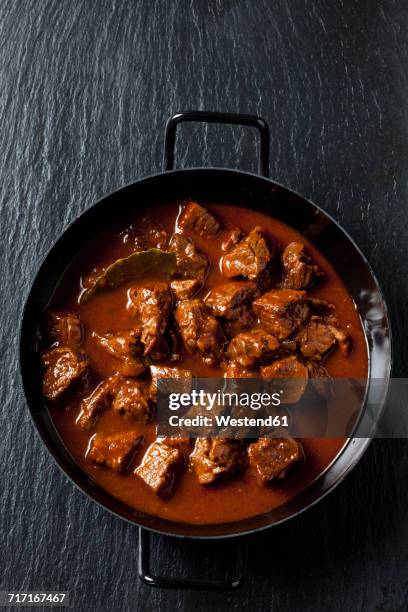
pixel 183 444
pixel 273 458
pixel 317 338
pixel 190 262
pixel 251 258
pixel 320 307
pixel 159 466
pixel 159 353
pixel 298 272
pixel 195 218
pixel 131 400
pixel 166 372
pixel 288 367
pixel 152 304
pixel 199 330
pixel 169 348
pixel 281 311
pixel 175 344
pixel 289 345
pixel 185 289
pixel 231 237
pixel 64 367
pixel 342 337
pixel 320 378
pixel 235 370
pixel 232 302
pixel 147 233
pixel 244 319
pixel 226 300
pixel 252 347
pixel 294 374
pixel 214 459
pixel 125 347
pixel 115 452
pixel 94 404
pixel 63 328
pixel 316 370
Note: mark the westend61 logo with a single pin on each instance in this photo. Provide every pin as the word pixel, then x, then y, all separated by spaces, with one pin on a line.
pixel 208 400
pixel 202 412
pixel 253 407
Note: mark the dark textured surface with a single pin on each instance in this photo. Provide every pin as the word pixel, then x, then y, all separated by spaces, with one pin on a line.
pixel 85 91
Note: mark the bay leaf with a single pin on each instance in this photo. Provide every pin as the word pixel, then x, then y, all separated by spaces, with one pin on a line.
pixel 154 262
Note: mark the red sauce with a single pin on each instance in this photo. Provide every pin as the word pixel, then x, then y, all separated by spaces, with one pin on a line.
pixel 191 502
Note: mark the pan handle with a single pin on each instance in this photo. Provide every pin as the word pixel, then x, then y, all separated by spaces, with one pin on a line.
pixel 169 582
pixel 211 117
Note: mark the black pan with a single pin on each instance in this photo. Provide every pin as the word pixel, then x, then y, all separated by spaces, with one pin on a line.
pixel 225 186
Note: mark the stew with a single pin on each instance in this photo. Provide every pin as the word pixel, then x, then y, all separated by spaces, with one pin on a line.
pixel 193 290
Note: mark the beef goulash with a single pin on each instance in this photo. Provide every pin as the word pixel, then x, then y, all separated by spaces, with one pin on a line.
pixel 182 291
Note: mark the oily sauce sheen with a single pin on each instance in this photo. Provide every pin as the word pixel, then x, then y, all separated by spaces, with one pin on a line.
pixel 241 496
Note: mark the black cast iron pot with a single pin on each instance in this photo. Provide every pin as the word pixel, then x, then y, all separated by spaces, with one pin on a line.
pixel 233 187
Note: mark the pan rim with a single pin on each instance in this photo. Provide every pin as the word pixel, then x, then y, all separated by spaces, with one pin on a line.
pixel 363 442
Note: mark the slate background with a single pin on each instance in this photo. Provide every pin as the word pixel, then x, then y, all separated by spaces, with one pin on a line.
pixel 86 87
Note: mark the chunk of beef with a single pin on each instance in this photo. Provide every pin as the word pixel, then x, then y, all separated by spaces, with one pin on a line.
pixel 168 348
pixel 251 257
pixel 174 344
pixel 131 400
pixel 288 367
pixel 115 452
pixel 289 345
pixel 320 307
pixel 125 347
pixel 183 444
pixel 166 372
pixel 185 289
pixel 233 372
pixel 146 233
pixel 244 319
pixel 316 370
pixel 315 339
pixel 159 466
pixel 159 353
pixel 152 304
pixel 342 337
pixel 320 335
pixel 226 300
pixel 215 459
pixel 93 405
pixel 273 458
pixel 252 347
pixel 236 370
pixel 199 330
pixel 63 328
pixel 294 374
pixel 64 366
pixel 281 311
pixel 298 272
pixel 232 302
pixel 195 218
pixel 190 262
pixel 320 378
pixel 231 238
